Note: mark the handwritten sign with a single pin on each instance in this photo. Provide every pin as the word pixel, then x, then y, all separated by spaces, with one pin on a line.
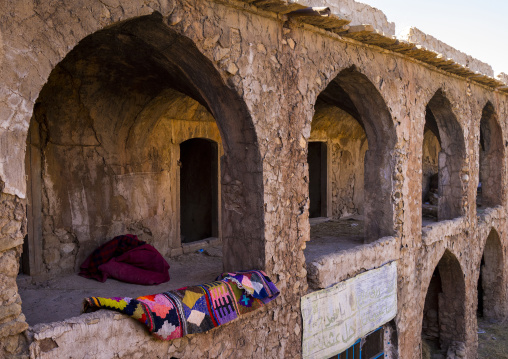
pixel 334 318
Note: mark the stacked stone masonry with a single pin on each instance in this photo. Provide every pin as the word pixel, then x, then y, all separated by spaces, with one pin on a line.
pixel 97 96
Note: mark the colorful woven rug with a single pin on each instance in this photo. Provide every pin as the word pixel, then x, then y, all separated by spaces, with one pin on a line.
pixel 195 309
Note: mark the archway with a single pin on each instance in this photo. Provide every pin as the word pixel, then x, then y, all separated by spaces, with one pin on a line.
pixel 352 119
pixel 106 132
pixel 442 191
pixel 491 152
pixel 443 319
pixel 491 298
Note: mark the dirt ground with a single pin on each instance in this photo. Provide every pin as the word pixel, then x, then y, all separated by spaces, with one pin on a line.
pixel 492 340
pixel 57 299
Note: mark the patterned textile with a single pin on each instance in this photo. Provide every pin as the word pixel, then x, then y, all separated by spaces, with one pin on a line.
pixel 195 309
pixel 103 254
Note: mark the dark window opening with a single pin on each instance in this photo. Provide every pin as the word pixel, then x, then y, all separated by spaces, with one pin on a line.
pixel 479 311
pixel 198 189
pixel 369 347
pixel 430 323
pixel 317 179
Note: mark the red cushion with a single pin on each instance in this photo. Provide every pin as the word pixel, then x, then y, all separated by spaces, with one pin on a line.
pixel 141 265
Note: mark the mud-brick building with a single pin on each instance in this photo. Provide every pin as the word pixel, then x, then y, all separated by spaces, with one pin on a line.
pixel 309 143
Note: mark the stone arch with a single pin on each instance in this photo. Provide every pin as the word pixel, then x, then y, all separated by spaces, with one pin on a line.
pixel 352 97
pixel 440 119
pixel 491 296
pixel 123 80
pixel 443 320
pixel 491 154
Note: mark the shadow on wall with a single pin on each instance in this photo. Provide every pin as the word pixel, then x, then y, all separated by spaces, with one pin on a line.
pixel 349 154
pixel 442 162
pixel 491 151
pixel 104 151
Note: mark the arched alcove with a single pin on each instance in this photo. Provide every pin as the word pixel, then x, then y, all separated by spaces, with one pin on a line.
pixel 352 119
pixel 443 320
pixel 491 297
pixel 442 194
pixel 491 152
pixel 104 149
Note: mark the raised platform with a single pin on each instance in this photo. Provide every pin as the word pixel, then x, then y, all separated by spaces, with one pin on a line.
pixel 336 251
pixel 57 299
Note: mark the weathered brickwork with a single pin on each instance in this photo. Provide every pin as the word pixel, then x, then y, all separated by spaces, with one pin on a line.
pixel 259 75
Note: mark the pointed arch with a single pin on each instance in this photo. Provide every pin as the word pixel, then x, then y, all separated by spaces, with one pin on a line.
pixel 443 319
pixel 105 98
pixel 491 296
pixel 357 98
pixel 491 153
pixel 441 120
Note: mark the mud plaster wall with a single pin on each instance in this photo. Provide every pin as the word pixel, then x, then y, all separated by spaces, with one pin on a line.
pixel 346 143
pixel 278 70
pixel 96 186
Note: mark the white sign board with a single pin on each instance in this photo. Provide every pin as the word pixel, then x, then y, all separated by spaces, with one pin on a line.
pixel 334 318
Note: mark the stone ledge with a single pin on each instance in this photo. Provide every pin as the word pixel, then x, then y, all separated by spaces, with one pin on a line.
pixel 490 218
pixel 100 334
pixel 335 267
pixel 438 231
pixel 108 334
pixel 490 214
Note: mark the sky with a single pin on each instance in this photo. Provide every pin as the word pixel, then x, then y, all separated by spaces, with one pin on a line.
pixel 478 28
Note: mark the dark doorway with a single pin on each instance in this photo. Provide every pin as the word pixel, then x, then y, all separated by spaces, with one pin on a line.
pixel 430 325
pixel 443 322
pixel 491 295
pixel 198 189
pixel 316 159
pixel 479 310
